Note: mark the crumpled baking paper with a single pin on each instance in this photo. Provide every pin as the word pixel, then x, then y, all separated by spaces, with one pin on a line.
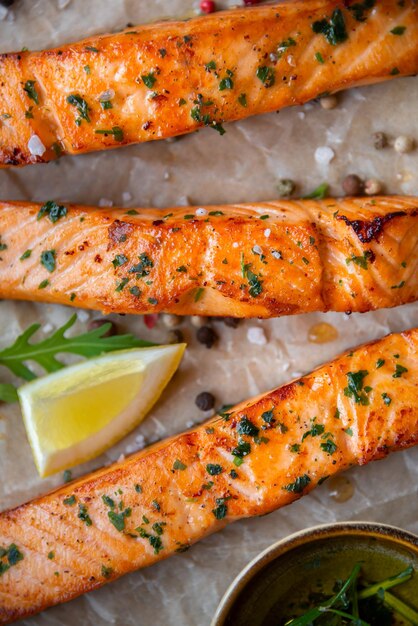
pixel 244 165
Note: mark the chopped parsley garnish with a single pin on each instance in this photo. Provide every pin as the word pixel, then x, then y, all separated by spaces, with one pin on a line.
pixel 118 519
pixel 158 528
pixel 334 29
pixel 91 49
pixel 163 52
pixel 156 505
pixel 82 107
pixel 399 370
pixel 199 293
pixel 69 500
pixel 319 58
pixel 142 268
pixel 179 465
pixel 299 484
pixel 233 474
pixel 295 447
pixel 109 501
pixel 87 69
pixel 48 260
pixel 386 399
pixel 359 9
pixel 242 99
pixel 116 131
pixel 29 87
pixel 242 449
pixel 52 210
pixel 355 389
pixel 51 555
pixel 226 83
pixel 349 432
pixel 106 571
pixel 398 30
pixel 119 260
pixel 214 469
pixel 380 363
pixel 12 554
pixel 122 284
pixel 138 488
pixel 26 255
pixel 246 427
pixel 149 80
pixel 361 261
pixel 210 66
pixel 83 515
pixel 221 509
pixel 153 301
pixel 43 284
pixel 329 446
pixel 268 417
pixel 255 284
pixel 315 430
pixel 266 75
pixel 216 213
pixel 156 543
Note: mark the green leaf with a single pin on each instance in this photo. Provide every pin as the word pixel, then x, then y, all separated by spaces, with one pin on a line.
pixel 319 193
pixel 44 353
pixel 8 393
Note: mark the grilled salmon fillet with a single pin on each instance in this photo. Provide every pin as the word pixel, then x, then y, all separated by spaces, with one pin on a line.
pixel 254 260
pixel 261 455
pixel 168 79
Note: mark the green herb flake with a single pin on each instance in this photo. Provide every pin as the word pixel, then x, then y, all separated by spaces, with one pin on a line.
pixel 121 285
pixel 29 87
pixel 319 193
pixel 25 255
pixel 398 30
pixel 156 505
pixel 119 260
pixel 329 446
pixel 242 99
pixel 242 449
pixel 91 49
pixel 116 131
pixel 51 555
pixel 108 501
pixel 43 284
pixel 216 213
pixel 149 79
pixel 179 465
pixel 87 69
pixel 52 210
pixel 319 58
pixel 361 261
pixel 138 488
pixel 106 571
pixel 386 399
pixel 295 447
pixel 199 293
pixel 69 500
pixel 246 427
pixel 380 363
pixel 354 389
pixel 349 431
pixel 48 260
pixel 82 107
pixel 213 469
pixel 334 29
pixel 83 515
pixel 226 83
pixel 266 75
pixel 298 485
pixel 268 417
pixel 118 519
pixel 399 370
pixel 220 511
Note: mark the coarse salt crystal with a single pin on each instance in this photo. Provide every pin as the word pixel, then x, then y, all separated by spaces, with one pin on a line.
pixel 256 335
pixel 276 254
pixel 83 316
pixel 267 232
pixel 291 60
pixel 35 146
pixel 257 250
pixel 105 202
pixel 235 244
pixel 201 211
pixel 107 95
pixel 324 155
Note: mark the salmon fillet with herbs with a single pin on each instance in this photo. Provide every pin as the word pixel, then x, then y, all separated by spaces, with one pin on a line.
pixel 257 457
pixel 167 79
pixel 253 260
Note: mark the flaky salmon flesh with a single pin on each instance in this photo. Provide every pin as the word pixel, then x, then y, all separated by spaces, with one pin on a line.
pixel 253 260
pixel 167 79
pixel 259 456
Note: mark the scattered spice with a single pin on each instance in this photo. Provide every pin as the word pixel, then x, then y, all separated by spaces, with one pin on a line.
pixel 207 336
pixel 352 185
pixel 205 401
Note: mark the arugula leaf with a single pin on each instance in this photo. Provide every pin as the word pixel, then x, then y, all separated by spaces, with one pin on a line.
pixel 44 353
pixel 8 393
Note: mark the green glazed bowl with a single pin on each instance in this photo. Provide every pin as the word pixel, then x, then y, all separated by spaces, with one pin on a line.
pixel 283 576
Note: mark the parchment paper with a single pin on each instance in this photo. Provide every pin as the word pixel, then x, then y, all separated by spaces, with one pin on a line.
pixel 244 165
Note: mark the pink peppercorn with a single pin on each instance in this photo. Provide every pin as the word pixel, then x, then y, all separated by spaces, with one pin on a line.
pixel 207 6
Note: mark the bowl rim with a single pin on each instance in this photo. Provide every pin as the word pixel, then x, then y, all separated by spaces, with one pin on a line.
pixel 290 542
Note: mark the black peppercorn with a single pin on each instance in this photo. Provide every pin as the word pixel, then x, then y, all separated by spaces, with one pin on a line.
pixel 207 336
pixel 231 322
pixel 205 401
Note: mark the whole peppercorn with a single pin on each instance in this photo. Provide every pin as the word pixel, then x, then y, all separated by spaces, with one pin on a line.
pixel 231 322
pixel 404 144
pixel 98 323
pixel 380 141
pixel 207 336
pixel 205 401
pixel 352 185
pixel 372 187
pixel 285 187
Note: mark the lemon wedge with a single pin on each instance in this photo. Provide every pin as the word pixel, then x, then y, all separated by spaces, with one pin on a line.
pixel 73 415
